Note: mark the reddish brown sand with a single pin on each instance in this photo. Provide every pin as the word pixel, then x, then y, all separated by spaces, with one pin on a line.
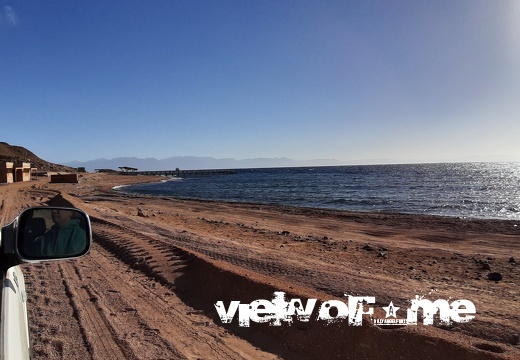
pixel 147 289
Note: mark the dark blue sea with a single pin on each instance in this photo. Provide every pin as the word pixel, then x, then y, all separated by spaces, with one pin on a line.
pixel 467 190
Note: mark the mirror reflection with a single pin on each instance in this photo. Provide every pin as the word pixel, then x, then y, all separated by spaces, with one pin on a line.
pixel 47 233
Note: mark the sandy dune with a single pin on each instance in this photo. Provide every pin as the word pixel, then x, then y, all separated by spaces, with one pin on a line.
pixel 148 288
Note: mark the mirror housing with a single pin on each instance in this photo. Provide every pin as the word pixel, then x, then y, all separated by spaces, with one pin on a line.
pixel 47 233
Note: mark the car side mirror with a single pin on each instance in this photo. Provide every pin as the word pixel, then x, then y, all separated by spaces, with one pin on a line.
pixel 51 233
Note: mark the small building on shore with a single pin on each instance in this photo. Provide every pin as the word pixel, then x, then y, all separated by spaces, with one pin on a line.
pixel 64 178
pixel 14 172
pixel 22 171
pixel 6 172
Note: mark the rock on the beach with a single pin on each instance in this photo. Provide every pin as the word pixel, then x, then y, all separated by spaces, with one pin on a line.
pixel 368 247
pixel 495 276
pixel 486 266
pixel 141 213
pixel 514 339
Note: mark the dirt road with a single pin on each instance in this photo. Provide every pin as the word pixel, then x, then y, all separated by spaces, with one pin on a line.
pixel 157 267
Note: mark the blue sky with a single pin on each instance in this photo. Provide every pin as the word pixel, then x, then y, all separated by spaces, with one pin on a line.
pixel 409 81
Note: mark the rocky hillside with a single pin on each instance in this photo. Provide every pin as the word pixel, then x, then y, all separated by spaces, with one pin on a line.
pixel 20 154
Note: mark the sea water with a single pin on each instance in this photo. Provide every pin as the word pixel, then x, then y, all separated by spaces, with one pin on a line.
pixel 473 190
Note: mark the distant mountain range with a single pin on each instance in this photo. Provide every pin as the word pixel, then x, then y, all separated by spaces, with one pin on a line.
pixel 196 163
pixel 15 153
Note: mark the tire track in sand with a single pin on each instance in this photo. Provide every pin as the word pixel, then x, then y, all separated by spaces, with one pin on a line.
pixel 89 317
pixel 129 279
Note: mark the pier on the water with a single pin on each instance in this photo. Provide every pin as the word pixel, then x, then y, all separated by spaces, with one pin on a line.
pixel 176 172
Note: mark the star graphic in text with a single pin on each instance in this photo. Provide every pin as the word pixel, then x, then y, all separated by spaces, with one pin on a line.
pixel 390 309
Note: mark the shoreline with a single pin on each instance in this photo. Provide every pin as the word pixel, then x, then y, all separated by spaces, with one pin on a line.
pixel 324 207
pixel 507 226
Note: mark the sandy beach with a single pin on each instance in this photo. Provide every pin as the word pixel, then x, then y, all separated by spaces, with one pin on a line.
pixel 158 265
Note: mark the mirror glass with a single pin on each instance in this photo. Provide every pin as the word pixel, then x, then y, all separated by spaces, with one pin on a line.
pixel 53 233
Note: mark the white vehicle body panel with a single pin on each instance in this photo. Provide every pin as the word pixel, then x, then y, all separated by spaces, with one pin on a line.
pixel 14 322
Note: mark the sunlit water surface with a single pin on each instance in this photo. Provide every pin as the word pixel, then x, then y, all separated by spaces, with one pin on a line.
pixel 475 190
